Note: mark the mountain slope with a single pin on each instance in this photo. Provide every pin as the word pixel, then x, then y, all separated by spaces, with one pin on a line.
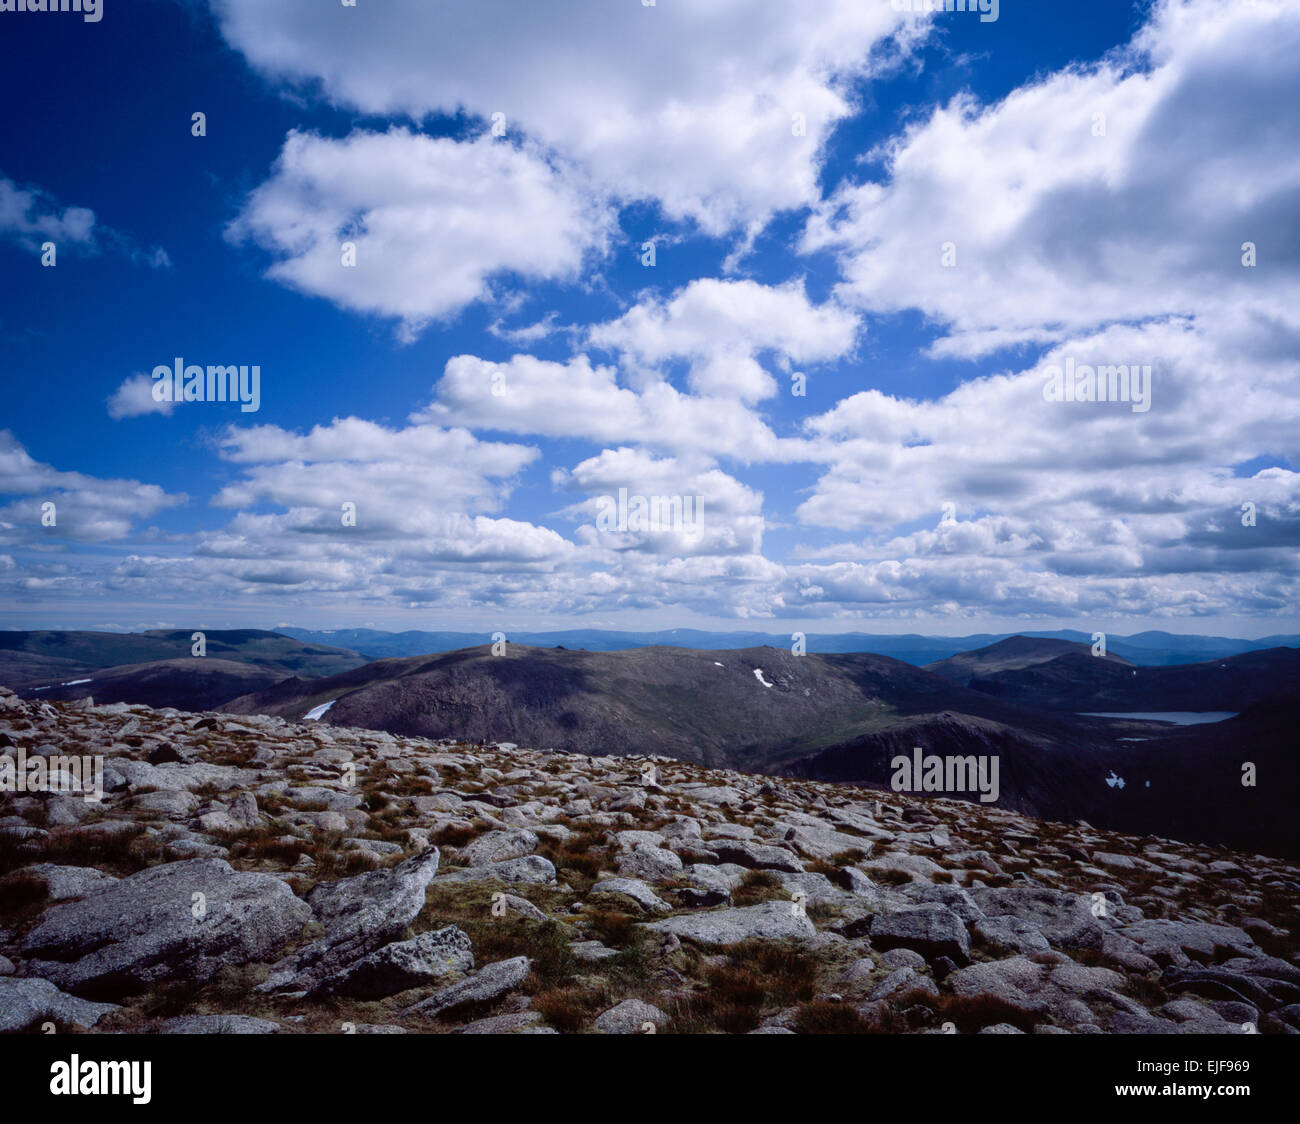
pixel 710 707
pixel 1014 653
pixel 197 684
pixel 29 659
pixel 1078 681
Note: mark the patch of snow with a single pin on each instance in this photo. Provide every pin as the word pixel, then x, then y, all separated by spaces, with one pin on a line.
pixel 716 664
pixel 74 682
pixel 318 711
pixel 1115 781
pixel 758 674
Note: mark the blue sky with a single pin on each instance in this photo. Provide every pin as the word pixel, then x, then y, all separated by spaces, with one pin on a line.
pixel 922 214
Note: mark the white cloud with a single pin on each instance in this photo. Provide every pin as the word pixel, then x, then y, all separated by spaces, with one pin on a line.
pixel 30 217
pixel 692 104
pixel 704 511
pixel 576 399
pixel 722 327
pixel 1056 230
pixel 134 398
pixel 397 478
pixel 86 508
pixel 434 222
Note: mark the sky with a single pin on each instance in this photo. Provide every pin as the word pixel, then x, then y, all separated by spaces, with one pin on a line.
pixel 897 321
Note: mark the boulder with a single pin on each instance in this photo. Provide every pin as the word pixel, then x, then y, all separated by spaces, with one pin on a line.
pixel 490 982
pixel 766 921
pixel 24 1002
pixel 425 959
pixel 635 889
pixel 531 869
pixel 630 1017
pixel 359 915
pixel 498 846
pixel 153 926
pixel 930 931
pixel 64 882
pixel 754 856
pixel 1063 918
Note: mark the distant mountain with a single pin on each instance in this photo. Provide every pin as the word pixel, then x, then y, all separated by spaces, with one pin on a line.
pixel 1146 649
pixel 846 716
pixel 195 684
pixel 754 707
pixel 1011 654
pixel 1077 681
pixel 29 659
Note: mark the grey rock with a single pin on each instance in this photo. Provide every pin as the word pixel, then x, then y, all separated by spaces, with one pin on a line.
pixel 143 929
pixel 218 1024
pixel 930 931
pixel 635 889
pixel 954 898
pixel 903 958
pixel 529 870
pixel 1179 942
pixel 1010 934
pixel 425 959
pixel 64 882
pixel 359 915
pixel 592 952
pixel 25 1001
pixel 860 973
pixel 490 982
pixel 649 863
pixel 515 1023
pixel 1063 918
pixel 903 980
pixel 1036 987
pixel 498 846
pixel 766 921
pixel 630 1017
pixel 513 903
pixel 755 856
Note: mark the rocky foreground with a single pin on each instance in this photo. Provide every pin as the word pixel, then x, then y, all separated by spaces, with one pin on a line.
pixel 247 875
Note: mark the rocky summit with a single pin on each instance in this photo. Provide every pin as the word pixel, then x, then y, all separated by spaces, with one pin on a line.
pixel 246 874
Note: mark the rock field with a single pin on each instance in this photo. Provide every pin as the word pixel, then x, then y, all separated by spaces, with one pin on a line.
pixel 246 875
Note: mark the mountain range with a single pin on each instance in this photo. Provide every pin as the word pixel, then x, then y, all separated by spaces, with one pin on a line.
pixel 1038 705
pixel 1143 648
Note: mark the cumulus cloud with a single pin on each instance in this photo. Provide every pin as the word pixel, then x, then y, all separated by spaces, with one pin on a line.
pixel 1114 192
pixel 86 508
pixel 687 506
pixel 434 222
pixel 134 398
pixel 544 398
pixel 722 327
pixel 716 108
